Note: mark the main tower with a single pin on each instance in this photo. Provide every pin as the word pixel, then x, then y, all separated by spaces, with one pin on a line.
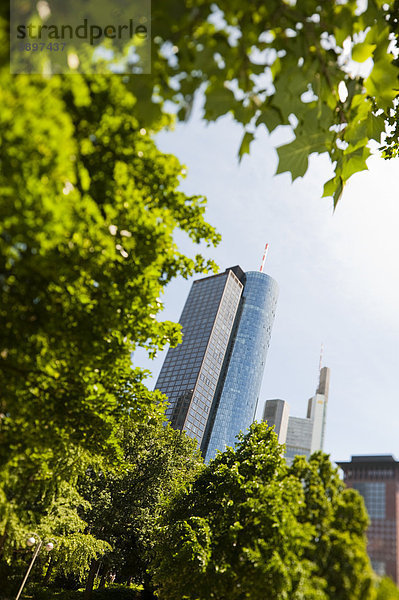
pixel 237 395
pixel 213 378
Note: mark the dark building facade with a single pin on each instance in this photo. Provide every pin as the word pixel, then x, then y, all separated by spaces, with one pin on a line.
pixel 212 380
pixel 376 478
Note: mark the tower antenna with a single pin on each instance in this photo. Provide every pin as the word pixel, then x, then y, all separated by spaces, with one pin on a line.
pixel 264 258
pixel 321 356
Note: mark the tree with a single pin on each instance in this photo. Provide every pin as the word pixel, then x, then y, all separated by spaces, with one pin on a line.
pixel 125 505
pixel 56 520
pixel 250 525
pixel 387 590
pixel 325 70
pixel 236 533
pixel 88 207
pixel 88 211
pixel 339 520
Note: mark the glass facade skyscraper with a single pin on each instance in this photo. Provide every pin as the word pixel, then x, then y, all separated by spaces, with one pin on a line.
pixel 237 398
pixel 212 380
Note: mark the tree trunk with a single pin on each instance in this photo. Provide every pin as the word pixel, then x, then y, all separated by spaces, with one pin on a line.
pixel 50 567
pixel 90 579
pixel 103 579
pixel 148 590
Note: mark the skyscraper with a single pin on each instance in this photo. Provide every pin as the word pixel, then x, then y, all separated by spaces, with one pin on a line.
pixel 376 478
pixel 276 414
pixel 212 380
pixel 302 436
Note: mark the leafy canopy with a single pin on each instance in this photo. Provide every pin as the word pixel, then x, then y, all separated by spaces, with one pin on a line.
pixel 285 63
pixel 339 521
pixel 88 211
pixel 387 590
pixel 125 505
pixel 250 525
pixel 325 70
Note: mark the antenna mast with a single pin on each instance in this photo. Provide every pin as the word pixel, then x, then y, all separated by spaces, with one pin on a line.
pixel 264 258
pixel 321 356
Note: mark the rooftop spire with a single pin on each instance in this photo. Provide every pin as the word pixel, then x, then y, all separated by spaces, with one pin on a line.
pixel 264 258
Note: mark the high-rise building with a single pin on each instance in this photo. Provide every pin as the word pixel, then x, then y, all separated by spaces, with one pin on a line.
pixel 213 379
pixel 376 478
pixel 276 414
pixel 302 436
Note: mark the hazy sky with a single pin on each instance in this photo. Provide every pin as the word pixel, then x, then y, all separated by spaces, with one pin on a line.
pixel 337 273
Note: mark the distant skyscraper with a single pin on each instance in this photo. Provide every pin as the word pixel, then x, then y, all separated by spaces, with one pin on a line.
pixel 276 414
pixel 376 478
pixel 213 378
pixel 302 436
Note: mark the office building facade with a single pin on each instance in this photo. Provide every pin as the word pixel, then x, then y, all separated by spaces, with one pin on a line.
pixel 301 436
pixel 376 478
pixel 276 414
pixel 237 399
pixel 212 380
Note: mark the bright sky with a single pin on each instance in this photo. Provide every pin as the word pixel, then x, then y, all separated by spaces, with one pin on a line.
pixel 337 272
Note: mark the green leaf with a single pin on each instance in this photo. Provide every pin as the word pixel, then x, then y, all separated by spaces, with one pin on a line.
pixel 330 187
pixel 245 144
pixel 342 23
pixel 89 246
pixel 334 187
pixel 296 529
pixel 271 117
pixel 354 162
pixel 293 157
pixel 219 101
pixel 375 127
pixel 382 82
pixel 362 52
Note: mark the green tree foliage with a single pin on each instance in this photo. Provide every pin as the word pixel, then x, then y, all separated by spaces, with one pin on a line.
pixel 387 590
pixel 280 63
pixel 283 62
pixel 89 207
pixel 235 533
pixel 54 519
pixel 88 212
pixel 339 520
pixel 124 505
pixel 251 526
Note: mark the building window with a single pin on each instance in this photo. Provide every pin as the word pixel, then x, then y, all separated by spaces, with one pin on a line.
pixel 373 493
